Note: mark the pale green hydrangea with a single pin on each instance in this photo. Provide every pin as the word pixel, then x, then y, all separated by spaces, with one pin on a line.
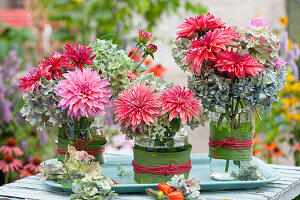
pixel 190 188
pixel 80 174
pixel 216 90
pixel 113 64
pixel 41 108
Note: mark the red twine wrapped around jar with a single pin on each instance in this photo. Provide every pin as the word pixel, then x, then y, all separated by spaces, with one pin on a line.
pixel 78 148
pixel 164 170
pixel 231 144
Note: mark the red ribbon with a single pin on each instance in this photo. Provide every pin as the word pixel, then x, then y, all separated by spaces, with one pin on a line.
pixel 78 148
pixel 164 170
pixel 231 144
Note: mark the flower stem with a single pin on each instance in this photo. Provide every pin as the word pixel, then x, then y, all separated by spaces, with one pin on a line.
pixel 137 49
pixel 6 176
pixel 134 70
pixel 227 166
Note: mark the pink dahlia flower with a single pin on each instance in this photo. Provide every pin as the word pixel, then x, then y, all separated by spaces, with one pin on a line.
pixel 144 36
pixel 206 47
pixel 34 78
pixel 179 102
pixel 237 65
pixel 55 62
pixel 83 93
pixel 260 21
pixel 199 23
pixel 137 104
pixel 9 162
pixel 79 55
pixel 11 147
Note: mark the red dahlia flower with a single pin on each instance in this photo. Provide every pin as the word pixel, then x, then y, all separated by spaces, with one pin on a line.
pixel 206 47
pixel 199 23
pixel 178 101
pixel 34 78
pixel 237 65
pixel 79 55
pixel 56 61
pixel 137 104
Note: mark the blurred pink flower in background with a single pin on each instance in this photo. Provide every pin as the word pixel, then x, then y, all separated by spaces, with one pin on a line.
pixel 119 143
pixel 34 166
pixel 260 21
pixel 9 162
pixel 11 147
pixel 83 93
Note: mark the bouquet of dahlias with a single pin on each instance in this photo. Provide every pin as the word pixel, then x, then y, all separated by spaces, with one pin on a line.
pixel 62 91
pixel 231 67
pixel 154 109
pixel 153 113
pixel 236 72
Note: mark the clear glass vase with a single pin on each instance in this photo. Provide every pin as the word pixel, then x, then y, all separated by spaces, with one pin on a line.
pixel 161 152
pixel 83 136
pixel 178 142
pixel 230 143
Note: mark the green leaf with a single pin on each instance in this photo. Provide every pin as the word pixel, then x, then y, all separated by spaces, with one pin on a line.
pixel 90 119
pixel 66 184
pixel 19 106
pixel 109 37
pixel 175 124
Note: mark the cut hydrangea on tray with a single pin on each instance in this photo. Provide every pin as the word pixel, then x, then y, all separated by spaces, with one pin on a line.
pixel 62 91
pixel 237 73
pixel 80 174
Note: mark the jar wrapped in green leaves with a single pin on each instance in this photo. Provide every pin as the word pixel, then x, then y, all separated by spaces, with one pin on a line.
pixel 88 139
pixel 157 160
pixel 230 143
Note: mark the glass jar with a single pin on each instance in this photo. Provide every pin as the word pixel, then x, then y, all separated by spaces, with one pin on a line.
pixel 230 143
pixel 163 144
pixel 150 153
pixel 88 139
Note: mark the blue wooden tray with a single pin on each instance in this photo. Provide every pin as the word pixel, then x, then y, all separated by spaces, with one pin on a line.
pixel 200 171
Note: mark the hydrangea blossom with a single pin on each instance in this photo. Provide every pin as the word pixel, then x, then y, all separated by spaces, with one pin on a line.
pixel 248 68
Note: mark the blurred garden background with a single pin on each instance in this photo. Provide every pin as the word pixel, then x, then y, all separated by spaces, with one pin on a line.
pixel 31 29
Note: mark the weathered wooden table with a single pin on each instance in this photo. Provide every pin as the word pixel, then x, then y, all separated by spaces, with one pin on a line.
pixel 287 187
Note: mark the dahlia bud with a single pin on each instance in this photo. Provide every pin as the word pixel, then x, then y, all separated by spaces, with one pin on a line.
pixel 144 36
pixel 151 48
